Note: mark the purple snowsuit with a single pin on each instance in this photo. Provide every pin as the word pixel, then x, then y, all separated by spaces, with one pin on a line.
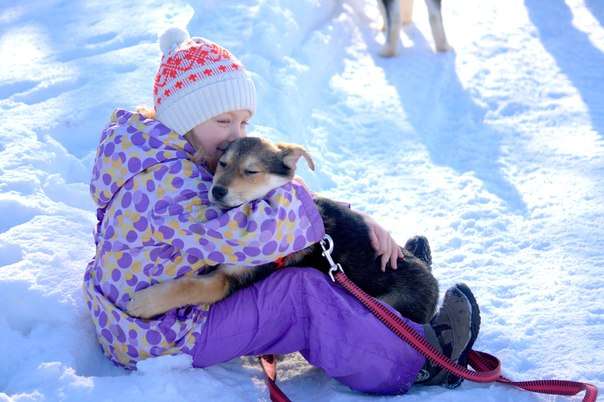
pixel 155 223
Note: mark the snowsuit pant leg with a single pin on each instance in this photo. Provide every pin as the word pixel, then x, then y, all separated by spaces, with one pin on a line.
pixel 300 309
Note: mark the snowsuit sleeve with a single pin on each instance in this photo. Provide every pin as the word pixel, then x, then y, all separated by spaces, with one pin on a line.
pixel 285 221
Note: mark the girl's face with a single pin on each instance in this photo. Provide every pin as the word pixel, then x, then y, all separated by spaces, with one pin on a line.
pixel 210 134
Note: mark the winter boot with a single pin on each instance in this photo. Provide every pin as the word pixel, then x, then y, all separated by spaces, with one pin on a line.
pixel 452 331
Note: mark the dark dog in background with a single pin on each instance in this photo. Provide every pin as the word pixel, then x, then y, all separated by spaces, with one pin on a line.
pixel 251 167
pixel 396 12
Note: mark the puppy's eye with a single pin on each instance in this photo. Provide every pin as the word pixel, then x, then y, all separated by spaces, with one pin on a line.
pixel 222 164
pixel 250 172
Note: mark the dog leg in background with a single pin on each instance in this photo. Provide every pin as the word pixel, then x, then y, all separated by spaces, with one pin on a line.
pixel 407 11
pixel 436 24
pixel 165 296
pixel 392 21
pixel 382 8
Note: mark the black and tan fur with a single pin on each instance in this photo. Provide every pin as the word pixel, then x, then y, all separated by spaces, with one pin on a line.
pixel 251 167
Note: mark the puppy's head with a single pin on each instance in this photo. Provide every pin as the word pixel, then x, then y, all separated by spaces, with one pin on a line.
pixel 250 167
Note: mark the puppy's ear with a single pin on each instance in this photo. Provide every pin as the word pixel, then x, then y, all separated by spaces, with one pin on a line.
pixel 290 153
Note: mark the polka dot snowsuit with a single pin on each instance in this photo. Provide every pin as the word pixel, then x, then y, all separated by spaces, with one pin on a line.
pixel 155 223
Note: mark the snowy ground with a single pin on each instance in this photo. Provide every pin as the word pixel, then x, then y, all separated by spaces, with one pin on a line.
pixel 495 151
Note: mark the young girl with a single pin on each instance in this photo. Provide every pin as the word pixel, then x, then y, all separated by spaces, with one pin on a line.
pixel 155 223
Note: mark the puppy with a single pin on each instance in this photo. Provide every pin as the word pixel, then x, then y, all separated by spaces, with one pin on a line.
pixel 394 11
pixel 251 167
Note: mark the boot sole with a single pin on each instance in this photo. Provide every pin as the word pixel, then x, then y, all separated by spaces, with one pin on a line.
pixel 454 381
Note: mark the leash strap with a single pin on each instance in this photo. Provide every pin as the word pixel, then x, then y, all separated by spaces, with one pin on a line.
pixel 488 367
pixel 269 366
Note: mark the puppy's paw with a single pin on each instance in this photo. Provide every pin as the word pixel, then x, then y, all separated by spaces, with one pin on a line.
pixel 145 303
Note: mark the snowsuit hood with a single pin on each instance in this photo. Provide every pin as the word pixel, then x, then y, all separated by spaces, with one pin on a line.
pixel 119 157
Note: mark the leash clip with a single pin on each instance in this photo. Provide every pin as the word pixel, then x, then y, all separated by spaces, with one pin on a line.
pixel 327 246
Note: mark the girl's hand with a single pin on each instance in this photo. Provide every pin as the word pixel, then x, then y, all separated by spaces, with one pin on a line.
pixel 383 243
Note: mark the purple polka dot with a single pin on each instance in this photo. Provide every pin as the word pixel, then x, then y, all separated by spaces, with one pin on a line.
pixel 147 163
pixel 166 231
pixel 126 199
pixel 158 270
pixel 269 248
pixel 183 270
pixel 216 257
pixel 191 259
pixel 106 178
pixel 116 275
pixel 251 251
pixel 170 335
pixel 109 234
pixel 141 224
pixel 112 293
pixel 109 148
pixel 283 246
pixel 282 213
pixel 125 260
pixel 138 138
pixel 102 319
pixel 160 173
pixel 299 243
pixel 142 324
pixel 241 219
pixel 195 252
pixel 143 203
pixel 131 236
pixel 268 226
pixel 161 206
pixel 132 334
pixel 177 182
pixel 132 352
pixel 132 281
pixel 178 244
pixel 153 337
pixel 119 333
pixel 291 216
pixel 175 209
pixel 176 167
pixel 154 142
pixel 252 226
pixel 115 315
pixel 211 214
pixel 107 335
pixel 150 185
pixel 197 228
pixel 215 234
pixel 134 164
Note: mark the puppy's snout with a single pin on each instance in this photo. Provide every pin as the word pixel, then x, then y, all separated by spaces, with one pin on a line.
pixel 219 192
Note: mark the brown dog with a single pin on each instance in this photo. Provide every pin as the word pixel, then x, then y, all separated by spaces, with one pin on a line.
pixel 251 167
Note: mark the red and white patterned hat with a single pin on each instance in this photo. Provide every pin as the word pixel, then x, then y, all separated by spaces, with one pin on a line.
pixel 197 80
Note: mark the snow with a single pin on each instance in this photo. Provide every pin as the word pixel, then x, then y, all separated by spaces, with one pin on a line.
pixel 495 151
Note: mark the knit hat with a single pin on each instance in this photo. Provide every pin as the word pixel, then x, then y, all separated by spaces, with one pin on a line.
pixel 197 80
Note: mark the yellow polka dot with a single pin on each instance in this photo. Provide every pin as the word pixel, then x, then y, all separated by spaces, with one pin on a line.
pixel 136 267
pixel 226 249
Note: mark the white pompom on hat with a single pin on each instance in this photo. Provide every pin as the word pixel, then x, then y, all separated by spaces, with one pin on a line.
pixel 197 80
pixel 172 38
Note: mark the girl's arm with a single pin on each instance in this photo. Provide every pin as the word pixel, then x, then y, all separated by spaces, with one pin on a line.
pixel 283 222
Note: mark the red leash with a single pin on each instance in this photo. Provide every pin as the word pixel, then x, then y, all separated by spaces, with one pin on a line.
pixel 488 367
